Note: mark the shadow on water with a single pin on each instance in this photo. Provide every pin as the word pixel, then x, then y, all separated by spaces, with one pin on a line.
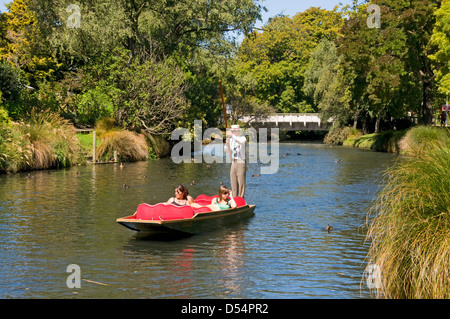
pixel 166 237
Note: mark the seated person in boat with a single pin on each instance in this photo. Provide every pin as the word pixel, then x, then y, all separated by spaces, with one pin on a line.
pixel 182 196
pixel 223 202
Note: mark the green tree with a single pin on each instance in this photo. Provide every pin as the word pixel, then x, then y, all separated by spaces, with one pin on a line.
pixel 323 83
pixel 11 89
pixel 25 45
pixel 193 33
pixel 388 70
pixel 276 59
pixel 145 94
pixel 441 40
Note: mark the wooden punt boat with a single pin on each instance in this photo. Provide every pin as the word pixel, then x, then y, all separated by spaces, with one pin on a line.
pixel 163 219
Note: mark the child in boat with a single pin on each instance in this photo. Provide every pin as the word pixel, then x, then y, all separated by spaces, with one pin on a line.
pixel 182 196
pixel 223 202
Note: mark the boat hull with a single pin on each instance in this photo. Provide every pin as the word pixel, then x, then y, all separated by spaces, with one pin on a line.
pixel 199 223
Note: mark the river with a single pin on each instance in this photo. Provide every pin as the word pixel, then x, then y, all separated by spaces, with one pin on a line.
pixel 52 219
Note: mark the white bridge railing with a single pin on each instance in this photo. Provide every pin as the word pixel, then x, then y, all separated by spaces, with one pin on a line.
pixel 294 121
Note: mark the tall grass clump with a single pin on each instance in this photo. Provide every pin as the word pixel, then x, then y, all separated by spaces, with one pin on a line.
pixel 130 146
pixel 410 232
pixel 43 140
pixel 421 138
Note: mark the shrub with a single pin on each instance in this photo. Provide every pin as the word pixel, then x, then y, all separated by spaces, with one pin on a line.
pixel 4 117
pixel 130 146
pixel 15 149
pixel 337 135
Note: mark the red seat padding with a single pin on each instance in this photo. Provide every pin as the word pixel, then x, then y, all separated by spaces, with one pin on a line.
pixel 163 211
pixel 201 209
pixel 239 201
pixel 206 200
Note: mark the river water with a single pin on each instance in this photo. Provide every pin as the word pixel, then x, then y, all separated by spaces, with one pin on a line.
pixel 52 219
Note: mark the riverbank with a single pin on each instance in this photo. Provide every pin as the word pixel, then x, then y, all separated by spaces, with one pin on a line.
pixel 403 142
pixel 46 141
pixel 408 226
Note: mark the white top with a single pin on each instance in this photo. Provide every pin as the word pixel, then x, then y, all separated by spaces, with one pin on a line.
pixel 237 145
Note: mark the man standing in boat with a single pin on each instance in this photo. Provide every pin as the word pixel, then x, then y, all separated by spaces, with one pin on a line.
pixel 236 145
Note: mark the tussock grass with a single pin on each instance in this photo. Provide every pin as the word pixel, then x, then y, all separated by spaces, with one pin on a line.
pixel 410 232
pixel 44 140
pixel 130 146
pixel 423 138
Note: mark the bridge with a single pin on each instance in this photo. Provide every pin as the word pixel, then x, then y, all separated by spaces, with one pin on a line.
pixel 290 122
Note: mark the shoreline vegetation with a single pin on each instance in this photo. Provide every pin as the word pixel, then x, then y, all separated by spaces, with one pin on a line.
pixel 45 140
pixel 407 142
pixel 408 226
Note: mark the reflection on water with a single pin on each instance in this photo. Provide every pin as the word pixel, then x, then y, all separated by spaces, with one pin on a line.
pixel 50 219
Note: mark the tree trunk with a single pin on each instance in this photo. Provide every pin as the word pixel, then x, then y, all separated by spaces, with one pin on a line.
pixel 427 88
pixel 355 120
pixel 377 123
pixel 427 106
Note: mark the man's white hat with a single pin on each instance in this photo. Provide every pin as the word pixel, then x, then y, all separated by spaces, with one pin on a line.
pixel 235 127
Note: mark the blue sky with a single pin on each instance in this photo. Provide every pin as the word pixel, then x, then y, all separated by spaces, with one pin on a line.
pixel 287 7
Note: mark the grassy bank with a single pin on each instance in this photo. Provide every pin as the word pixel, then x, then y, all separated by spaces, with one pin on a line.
pixel 409 226
pixel 45 141
pixel 405 142
pixel 130 146
pixel 42 141
pixel 388 141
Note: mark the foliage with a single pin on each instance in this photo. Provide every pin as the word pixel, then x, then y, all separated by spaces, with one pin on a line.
pixel 4 116
pixel 387 71
pixel 337 135
pixel 441 39
pixel 410 230
pixel 130 24
pixel 420 139
pixel 44 140
pixel 145 94
pixel 386 141
pixel 323 83
pixel 272 63
pixel 10 86
pixel 373 63
pixel 38 38
pixel 25 45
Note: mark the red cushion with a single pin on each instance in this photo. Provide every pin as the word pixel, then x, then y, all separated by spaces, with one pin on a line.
pixel 163 211
pixel 206 200
pixel 239 201
pixel 202 210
